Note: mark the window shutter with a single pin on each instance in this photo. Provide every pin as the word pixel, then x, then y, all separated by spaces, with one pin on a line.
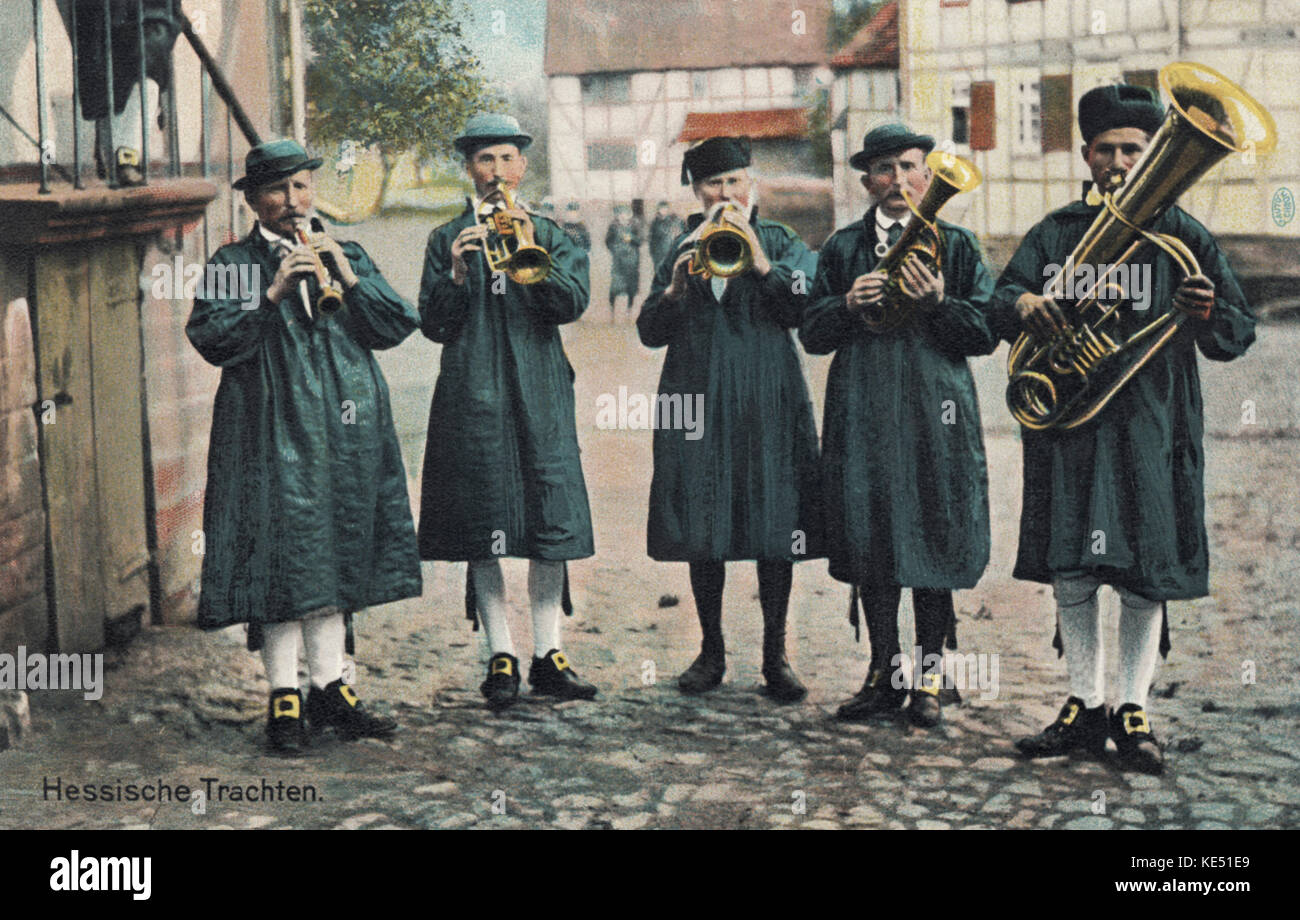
pixel 983 136
pixel 1057 114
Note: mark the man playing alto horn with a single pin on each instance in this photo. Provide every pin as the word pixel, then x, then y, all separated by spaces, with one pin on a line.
pixel 1119 500
pixel 904 476
pixel 502 475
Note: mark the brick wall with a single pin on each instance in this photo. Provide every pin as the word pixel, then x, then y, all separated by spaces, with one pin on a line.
pixel 23 612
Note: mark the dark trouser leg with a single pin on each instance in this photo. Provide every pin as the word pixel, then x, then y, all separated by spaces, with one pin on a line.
pixel 774 580
pixel 934 613
pixel 705 673
pixel 880 610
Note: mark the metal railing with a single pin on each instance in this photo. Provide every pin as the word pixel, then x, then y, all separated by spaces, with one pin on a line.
pixel 211 77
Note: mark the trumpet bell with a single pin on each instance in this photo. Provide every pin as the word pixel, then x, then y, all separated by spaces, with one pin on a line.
pixel 724 252
pixel 529 265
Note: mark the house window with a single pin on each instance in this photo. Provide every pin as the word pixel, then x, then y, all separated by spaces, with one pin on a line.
pixel 1058 113
pixel 699 85
pixel 960 110
pixel 604 88
pixel 983 131
pixel 611 155
pixel 1029 127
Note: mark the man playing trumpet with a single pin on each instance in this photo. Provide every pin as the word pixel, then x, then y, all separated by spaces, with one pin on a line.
pixel 1119 500
pixel 502 474
pixel 904 482
pixel 306 517
pixel 745 487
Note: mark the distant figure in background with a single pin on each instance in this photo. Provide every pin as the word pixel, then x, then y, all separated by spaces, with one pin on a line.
pixel 623 240
pixel 665 228
pixel 160 31
pixel 576 227
pixel 547 208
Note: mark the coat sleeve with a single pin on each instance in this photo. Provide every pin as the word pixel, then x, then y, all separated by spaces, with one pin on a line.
pixel 376 317
pixel 444 305
pixel 960 325
pixel 1023 273
pixel 784 290
pixel 564 295
pixel 1230 329
pixel 222 330
pixel 827 323
pixel 660 318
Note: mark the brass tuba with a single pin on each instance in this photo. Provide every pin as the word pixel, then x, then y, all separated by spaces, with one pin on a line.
pixel 952 174
pixel 721 248
pixel 1067 381
pixel 509 246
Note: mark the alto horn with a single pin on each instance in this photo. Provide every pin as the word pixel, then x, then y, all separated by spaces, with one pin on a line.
pixel 721 248
pixel 952 174
pixel 510 246
pixel 1064 382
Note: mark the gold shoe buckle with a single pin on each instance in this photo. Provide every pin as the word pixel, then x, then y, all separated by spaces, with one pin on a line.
pixel 288 706
pixel 931 684
pixel 561 662
pixel 1070 716
pixel 348 695
pixel 501 666
pixel 1136 722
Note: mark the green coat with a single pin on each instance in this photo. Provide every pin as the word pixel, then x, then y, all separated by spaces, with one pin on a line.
pixel 904 475
pixel 306 499
pixel 501 467
pixel 749 481
pixel 1133 475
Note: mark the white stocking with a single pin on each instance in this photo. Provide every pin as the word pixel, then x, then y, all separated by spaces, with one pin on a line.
pixel 1139 646
pixel 324 637
pixel 545 585
pixel 1079 616
pixel 280 654
pixel 490 590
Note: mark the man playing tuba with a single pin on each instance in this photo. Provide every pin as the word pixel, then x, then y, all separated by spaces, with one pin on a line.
pixel 904 477
pixel 1119 500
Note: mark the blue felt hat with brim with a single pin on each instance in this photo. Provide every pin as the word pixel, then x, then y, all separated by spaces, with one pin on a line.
pixel 886 139
pixel 272 161
pixel 488 128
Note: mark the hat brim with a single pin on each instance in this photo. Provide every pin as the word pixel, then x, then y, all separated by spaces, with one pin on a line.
pixel 862 159
pixel 247 182
pixel 468 145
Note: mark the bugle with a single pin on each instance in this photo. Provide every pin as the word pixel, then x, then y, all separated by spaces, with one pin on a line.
pixel 509 246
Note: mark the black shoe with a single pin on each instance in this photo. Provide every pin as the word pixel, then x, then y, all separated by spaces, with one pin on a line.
pixel 924 709
pixel 704 674
pixel 1137 745
pixel 337 707
pixel 553 676
pixel 782 685
pixel 1076 729
pixel 285 731
pixel 502 685
pixel 129 172
pixel 877 697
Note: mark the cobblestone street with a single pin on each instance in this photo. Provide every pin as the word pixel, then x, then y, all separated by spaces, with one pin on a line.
pixel 180 706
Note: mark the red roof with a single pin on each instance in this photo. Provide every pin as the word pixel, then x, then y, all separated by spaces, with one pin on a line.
pixel 765 123
pixel 875 45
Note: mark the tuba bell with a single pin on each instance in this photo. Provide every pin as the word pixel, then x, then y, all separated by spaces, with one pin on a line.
pixel 1065 382
pixel 721 248
pixel 952 174
pixel 510 246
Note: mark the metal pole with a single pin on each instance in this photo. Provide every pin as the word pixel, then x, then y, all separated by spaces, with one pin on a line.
pixel 110 168
pixel 204 128
pixel 76 101
pixel 173 130
pixel 220 84
pixel 230 172
pixel 144 95
pixel 38 24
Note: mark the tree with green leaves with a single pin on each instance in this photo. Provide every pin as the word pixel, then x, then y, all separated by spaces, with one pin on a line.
pixel 393 74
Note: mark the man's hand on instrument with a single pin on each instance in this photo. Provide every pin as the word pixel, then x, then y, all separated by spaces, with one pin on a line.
pixel 1195 296
pixel 737 219
pixel 919 283
pixel 295 264
pixel 323 243
pixel 681 272
pixel 470 239
pixel 1041 316
pixel 867 289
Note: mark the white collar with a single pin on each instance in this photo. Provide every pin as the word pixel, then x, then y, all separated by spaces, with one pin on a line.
pixel 884 221
pixel 275 239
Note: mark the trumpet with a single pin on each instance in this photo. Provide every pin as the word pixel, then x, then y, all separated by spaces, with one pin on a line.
pixel 330 298
pixel 509 246
pixel 721 248
pixel 952 174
